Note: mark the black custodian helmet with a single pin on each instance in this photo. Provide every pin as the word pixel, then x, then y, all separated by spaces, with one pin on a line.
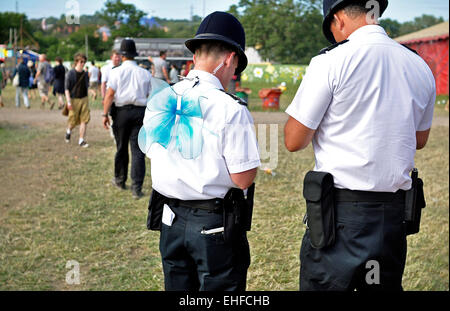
pixel 128 48
pixel 224 27
pixel 332 6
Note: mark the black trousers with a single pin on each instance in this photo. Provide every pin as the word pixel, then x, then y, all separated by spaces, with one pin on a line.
pixel 193 261
pixel 369 252
pixel 127 121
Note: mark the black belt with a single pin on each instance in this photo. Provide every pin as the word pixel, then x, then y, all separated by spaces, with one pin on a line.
pixel 129 106
pixel 209 205
pixel 345 195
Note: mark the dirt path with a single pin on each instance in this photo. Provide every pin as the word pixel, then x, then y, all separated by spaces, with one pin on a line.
pixel 31 169
pixel 37 117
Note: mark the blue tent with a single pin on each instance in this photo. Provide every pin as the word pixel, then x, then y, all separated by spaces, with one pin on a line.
pixel 30 55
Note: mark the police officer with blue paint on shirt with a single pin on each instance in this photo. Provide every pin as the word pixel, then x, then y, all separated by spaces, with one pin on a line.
pixel 366 103
pixel 204 158
pixel 128 86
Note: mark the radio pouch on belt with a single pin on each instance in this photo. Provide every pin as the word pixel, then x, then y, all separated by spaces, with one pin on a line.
pixel 155 211
pixel 318 191
pixel 414 202
pixel 237 212
pixel 248 211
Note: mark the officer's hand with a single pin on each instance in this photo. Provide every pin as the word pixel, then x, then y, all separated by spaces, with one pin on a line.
pixel 69 106
pixel 106 123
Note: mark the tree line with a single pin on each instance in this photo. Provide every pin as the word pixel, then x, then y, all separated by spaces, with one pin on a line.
pixel 284 31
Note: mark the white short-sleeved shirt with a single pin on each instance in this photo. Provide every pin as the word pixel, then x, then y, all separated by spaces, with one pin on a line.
pixel 229 146
pixel 94 74
pixel 131 84
pixel 366 99
pixel 105 72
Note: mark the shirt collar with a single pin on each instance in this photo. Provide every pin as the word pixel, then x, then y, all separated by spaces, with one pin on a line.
pixel 129 63
pixel 365 30
pixel 205 77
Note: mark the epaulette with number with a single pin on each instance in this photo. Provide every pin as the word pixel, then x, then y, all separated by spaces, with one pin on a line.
pixel 329 48
pixel 412 50
pixel 236 98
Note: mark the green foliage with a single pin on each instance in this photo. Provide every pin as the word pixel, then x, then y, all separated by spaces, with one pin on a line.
pixel 181 28
pixel 129 16
pixel 391 26
pixel 419 23
pixel 395 29
pixel 13 20
pixel 284 31
pixel 116 10
pixel 67 46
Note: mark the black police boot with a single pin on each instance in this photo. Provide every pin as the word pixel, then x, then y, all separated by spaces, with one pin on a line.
pixel 116 183
pixel 136 192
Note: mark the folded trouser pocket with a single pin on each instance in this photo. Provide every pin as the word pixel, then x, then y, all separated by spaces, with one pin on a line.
pixel 318 191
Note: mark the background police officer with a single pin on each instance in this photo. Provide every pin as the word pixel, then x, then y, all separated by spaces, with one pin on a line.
pixel 194 253
pixel 128 86
pixel 366 103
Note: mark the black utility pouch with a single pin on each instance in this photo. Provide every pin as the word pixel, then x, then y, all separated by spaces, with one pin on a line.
pixel 237 212
pixel 155 211
pixel 318 190
pixel 247 210
pixel 414 203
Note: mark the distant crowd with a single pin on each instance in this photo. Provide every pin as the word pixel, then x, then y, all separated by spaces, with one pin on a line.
pixel 34 79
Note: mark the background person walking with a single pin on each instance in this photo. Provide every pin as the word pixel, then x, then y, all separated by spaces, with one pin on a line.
pixel 76 89
pixel 32 84
pixel 23 74
pixel 58 84
pixel 105 70
pixel 43 81
pixel 173 73
pixel 128 87
pixel 94 74
pixel 159 68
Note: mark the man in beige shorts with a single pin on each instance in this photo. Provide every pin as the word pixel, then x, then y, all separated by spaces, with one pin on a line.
pixel 76 89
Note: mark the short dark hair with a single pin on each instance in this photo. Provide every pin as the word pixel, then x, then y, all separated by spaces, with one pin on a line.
pixel 93 62
pixel 161 53
pixel 354 10
pixel 59 59
pixel 78 57
pixel 213 47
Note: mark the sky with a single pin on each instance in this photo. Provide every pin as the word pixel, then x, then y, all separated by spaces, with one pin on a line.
pixel 401 10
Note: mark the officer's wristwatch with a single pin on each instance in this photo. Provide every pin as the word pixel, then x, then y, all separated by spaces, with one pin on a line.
pixel 104 115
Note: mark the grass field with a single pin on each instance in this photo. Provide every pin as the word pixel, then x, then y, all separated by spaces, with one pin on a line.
pixel 56 205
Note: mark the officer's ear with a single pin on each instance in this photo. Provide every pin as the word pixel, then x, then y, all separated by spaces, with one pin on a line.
pixel 338 21
pixel 230 59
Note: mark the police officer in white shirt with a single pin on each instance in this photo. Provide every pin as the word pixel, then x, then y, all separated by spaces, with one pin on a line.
pixel 128 86
pixel 366 103
pixel 202 149
pixel 115 62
